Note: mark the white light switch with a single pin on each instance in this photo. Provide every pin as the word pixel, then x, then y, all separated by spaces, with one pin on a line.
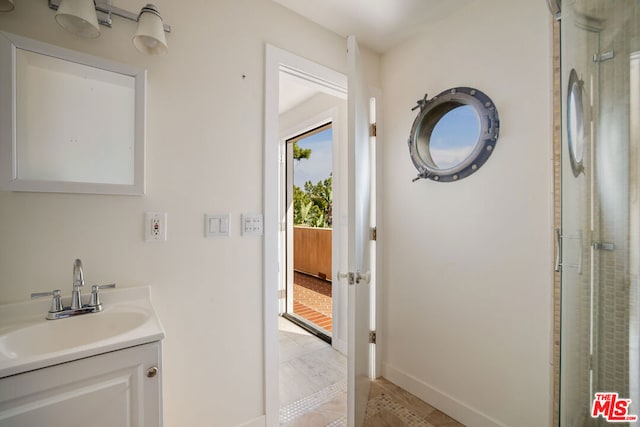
pixel 216 225
pixel 224 226
pixel 252 225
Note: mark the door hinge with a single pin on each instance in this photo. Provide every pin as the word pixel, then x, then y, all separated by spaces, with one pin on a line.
pixel 373 233
pixel 603 56
pixel 373 129
pixel 372 337
pixel 603 246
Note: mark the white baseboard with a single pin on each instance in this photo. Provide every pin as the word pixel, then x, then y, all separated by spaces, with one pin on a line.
pixel 261 421
pixel 442 401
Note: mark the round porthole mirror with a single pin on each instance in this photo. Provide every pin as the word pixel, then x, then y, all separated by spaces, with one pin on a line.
pixel 576 123
pixel 453 135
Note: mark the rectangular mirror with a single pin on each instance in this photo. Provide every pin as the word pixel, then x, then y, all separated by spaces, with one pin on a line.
pixel 69 122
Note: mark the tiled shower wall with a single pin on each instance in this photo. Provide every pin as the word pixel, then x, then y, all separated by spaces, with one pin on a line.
pixel 614 169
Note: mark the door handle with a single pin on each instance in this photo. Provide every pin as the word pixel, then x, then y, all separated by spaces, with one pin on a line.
pixel 349 276
pixel 355 278
pixel 364 278
pixel 558 249
pixel 581 252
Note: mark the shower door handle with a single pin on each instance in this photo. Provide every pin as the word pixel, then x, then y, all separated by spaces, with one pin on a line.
pixel 581 252
pixel 558 250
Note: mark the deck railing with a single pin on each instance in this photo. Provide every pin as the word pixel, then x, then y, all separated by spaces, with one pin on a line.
pixel 312 251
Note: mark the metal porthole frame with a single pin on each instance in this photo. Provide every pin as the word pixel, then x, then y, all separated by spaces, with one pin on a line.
pixel 431 111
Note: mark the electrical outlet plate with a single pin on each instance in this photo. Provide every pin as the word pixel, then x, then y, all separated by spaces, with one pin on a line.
pixel 155 226
pixel 216 225
pixel 252 225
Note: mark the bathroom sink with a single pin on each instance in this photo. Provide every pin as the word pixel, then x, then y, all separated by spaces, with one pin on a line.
pixel 28 341
pixel 53 336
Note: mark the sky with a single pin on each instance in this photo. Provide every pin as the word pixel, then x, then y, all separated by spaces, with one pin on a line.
pixel 319 165
pixel 454 137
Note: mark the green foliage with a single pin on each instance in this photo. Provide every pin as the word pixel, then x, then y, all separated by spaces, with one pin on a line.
pixel 300 153
pixel 313 205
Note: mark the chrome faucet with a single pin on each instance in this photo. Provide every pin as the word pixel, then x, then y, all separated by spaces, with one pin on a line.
pixel 58 311
pixel 78 282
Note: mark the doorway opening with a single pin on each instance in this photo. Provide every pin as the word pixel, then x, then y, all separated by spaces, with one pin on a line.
pixel 309 207
pixel 312 134
pixel 349 125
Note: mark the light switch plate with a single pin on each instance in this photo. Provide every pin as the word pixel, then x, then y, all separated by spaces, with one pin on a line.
pixel 216 225
pixel 252 225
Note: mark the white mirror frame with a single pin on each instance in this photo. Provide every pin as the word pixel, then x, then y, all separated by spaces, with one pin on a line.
pixel 9 174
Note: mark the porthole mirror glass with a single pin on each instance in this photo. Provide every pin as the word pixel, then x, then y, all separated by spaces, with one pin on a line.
pixel 454 137
pixel 454 134
pixel 576 123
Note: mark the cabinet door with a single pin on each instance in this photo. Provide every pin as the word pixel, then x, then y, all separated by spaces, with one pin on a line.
pixel 108 390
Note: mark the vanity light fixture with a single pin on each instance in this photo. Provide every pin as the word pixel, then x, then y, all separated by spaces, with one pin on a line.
pixel 81 17
pixel 149 37
pixel 6 5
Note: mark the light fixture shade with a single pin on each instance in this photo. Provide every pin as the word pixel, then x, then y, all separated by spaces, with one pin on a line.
pixel 79 17
pixel 6 5
pixel 149 37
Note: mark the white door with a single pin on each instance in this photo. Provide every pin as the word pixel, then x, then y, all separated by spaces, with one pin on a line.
pixel 359 180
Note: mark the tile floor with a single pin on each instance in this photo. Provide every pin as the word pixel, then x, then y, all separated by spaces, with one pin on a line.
pixel 390 406
pixel 313 380
pixel 313 389
pixel 312 300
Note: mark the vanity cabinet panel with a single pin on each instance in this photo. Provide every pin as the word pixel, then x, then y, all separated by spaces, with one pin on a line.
pixel 107 390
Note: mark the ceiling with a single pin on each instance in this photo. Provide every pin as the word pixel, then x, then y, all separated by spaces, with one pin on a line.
pixel 293 91
pixel 377 24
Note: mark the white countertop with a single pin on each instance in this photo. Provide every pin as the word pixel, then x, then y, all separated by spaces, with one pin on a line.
pixel 28 341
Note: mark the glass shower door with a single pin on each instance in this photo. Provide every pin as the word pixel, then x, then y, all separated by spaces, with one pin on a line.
pixel 579 81
pixel 600 206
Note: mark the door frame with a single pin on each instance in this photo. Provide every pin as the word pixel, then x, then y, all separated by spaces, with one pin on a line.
pixel 275 60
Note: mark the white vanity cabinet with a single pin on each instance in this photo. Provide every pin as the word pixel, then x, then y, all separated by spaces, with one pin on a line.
pixel 119 388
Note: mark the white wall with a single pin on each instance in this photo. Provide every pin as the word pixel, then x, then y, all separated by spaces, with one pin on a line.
pixel 204 154
pixel 467 286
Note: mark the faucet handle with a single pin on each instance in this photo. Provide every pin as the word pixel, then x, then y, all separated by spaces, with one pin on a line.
pixel 56 302
pixel 95 295
pixel 78 275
